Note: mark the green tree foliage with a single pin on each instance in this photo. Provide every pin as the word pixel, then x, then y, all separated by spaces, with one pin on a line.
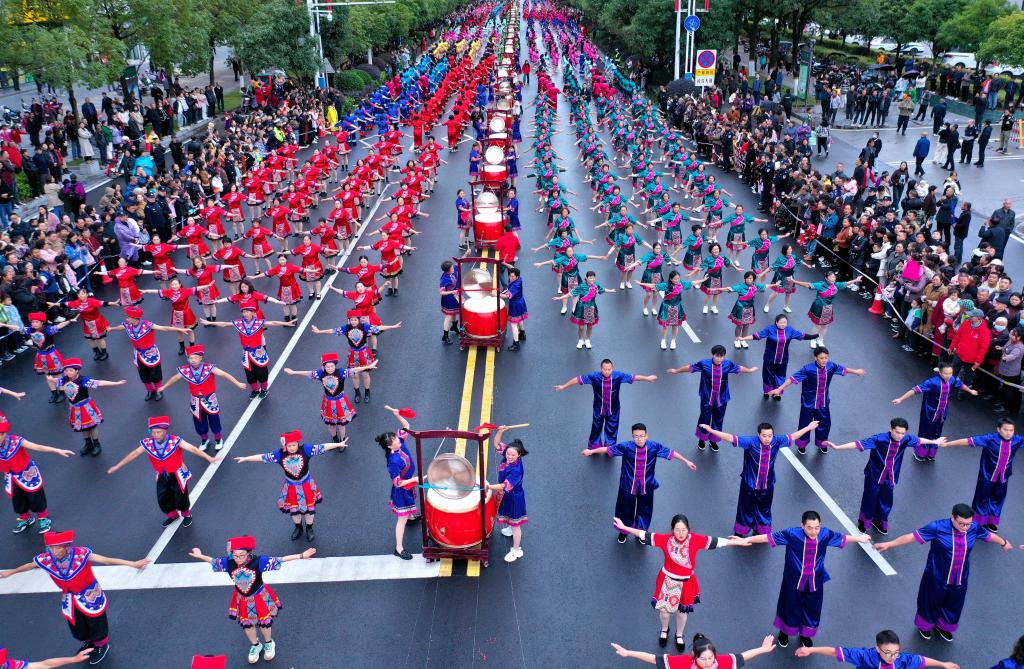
pixel 926 18
pixel 1004 41
pixel 277 36
pixel 966 30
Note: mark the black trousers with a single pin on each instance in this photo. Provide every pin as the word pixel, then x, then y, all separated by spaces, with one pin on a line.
pixel 169 494
pixel 917 165
pixel 256 374
pixel 25 501
pixel 151 374
pixel 90 629
pixel 901 124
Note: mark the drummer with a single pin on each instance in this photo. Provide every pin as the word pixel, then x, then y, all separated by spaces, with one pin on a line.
pixel 512 510
pixel 402 469
pixel 449 289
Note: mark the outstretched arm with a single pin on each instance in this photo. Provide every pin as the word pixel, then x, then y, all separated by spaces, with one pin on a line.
pixel 824 651
pixel 102 559
pixel 571 382
pixel 724 436
pixel 649 658
pixel 676 455
pixel 903 540
pixel 134 453
pixel 61 661
pixel 397 414
pixel 649 378
pixel 767 646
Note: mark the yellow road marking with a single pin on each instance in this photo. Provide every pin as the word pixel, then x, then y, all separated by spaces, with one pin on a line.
pixel 467 399
pixel 487 396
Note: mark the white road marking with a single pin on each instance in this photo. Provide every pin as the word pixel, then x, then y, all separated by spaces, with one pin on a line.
pixel 690 333
pixel 988 158
pixel 250 410
pixel 850 527
pixel 201 575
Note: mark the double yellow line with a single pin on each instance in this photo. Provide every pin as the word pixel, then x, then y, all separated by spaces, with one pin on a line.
pixel 465 413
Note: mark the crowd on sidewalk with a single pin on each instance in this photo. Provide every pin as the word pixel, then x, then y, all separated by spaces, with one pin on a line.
pixel 947 295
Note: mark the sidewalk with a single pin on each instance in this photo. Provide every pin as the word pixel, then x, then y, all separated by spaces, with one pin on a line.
pixel 92 175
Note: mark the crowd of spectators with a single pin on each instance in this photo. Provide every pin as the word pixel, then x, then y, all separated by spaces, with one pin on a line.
pixel 947 296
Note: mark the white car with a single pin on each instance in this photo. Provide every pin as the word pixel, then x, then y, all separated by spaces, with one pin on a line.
pixel 996 69
pixel 961 59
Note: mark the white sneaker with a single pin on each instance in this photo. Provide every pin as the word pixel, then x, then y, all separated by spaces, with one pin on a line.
pixel 629 284
pixel 767 308
pixel 506 531
pixel 672 345
pixel 646 312
pixel 586 342
pixel 744 344
pixel 737 344
pixel 269 650
pixel 714 310
pixel 812 344
pixel 663 345
pixel 254 653
pixel 705 309
pixel 579 344
pixel 513 555
pixel 787 310
pixel 565 308
pixel 622 286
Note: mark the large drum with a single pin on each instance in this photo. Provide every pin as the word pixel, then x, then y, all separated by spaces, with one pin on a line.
pixel 495 169
pixel 453 503
pixel 489 224
pixel 480 318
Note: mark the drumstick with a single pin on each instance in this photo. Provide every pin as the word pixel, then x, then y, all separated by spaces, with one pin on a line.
pixel 488 428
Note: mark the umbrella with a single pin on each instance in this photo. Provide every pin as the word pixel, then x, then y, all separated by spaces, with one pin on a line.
pixel 882 67
pixel 911 73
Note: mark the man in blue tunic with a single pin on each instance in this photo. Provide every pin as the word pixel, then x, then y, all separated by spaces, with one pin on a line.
pixel 935 392
pixel 882 472
pixel 757 481
pixel 714 392
pixel 996 467
pixel 943 589
pixel 816 379
pixel 804 576
pixel 606 384
pixel 886 654
pixel 635 502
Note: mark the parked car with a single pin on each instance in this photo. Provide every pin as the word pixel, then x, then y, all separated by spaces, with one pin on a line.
pixel 960 59
pixel 996 69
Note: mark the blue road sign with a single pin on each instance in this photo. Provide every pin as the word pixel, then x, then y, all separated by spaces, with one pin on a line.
pixel 691 23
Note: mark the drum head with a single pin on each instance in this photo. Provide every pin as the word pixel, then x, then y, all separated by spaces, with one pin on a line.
pixel 494 155
pixel 497 124
pixel 486 199
pixel 451 476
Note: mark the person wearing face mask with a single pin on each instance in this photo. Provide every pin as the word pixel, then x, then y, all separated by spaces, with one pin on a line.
pixel 705 655
pixel 885 653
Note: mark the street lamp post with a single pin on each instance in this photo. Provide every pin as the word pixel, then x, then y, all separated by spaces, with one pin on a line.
pixel 317 9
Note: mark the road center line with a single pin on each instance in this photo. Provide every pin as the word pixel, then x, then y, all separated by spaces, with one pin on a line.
pixel 250 410
pixel 690 333
pixel 850 527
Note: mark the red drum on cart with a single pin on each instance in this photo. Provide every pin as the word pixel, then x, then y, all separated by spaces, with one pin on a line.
pixel 488 225
pixel 480 318
pixel 455 523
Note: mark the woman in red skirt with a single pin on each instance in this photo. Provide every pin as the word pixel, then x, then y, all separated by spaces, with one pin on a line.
pixel 193 234
pixel 677 590
pixel 233 200
pixel 341 219
pixel 206 286
pixel 247 293
pixel 299 492
pixel 391 258
pixel 94 325
pixel 256 197
pixel 85 417
pixel 214 215
pixel 288 290
pixel 280 226
pixel 312 268
pixel 163 266
pixel 335 409
pixel 328 237
pixel 182 315
pixel 128 294
pixel 705 655
pixel 253 603
pixel 261 248
pixel 230 258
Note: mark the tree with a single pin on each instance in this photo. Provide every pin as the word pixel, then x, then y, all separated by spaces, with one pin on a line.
pixel 967 29
pixel 277 36
pixel 1004 42
pixel 926 18
pixel 227 23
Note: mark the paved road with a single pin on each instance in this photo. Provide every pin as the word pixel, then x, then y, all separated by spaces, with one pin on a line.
pixel 576 589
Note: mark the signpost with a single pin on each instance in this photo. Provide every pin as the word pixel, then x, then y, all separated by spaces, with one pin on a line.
pixel 706 64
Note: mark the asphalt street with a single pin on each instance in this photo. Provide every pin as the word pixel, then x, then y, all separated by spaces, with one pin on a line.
pixel 576 589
